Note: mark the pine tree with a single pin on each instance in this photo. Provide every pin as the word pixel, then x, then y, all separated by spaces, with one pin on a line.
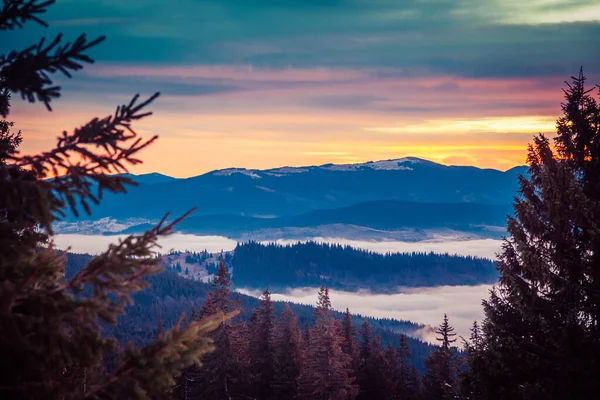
pixel 306 334
pixel 363 373
pixel 393 373
pixel 289 356
pixel 262 352
pixel 541 335
pixel 408 386
pixel 371 375
pixel 472 349
pixel 327 372
pixel 49 325
pixel 221 376
pixel 377 367
pixel 439 379
pixel 349 345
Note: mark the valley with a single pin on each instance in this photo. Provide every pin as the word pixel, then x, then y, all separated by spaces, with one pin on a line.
pixel 375 211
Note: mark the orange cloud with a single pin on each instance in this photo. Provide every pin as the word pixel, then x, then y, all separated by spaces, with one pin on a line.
pixel 313 116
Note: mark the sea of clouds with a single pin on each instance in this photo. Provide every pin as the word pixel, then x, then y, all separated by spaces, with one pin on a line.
pixel 94 244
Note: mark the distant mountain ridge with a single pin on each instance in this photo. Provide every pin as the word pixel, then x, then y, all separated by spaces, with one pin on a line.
pixel 384 215
pixel 288 191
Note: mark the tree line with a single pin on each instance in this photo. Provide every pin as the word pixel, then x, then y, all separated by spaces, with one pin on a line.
pixel 169 296
pixel 258 265
pixel 274 357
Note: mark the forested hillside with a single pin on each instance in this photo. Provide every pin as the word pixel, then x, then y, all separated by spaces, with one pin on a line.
pixel 342 267
pixel 169 296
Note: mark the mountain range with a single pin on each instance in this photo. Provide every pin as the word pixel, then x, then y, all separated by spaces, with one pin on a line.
pixel 390 218
pixel 406 192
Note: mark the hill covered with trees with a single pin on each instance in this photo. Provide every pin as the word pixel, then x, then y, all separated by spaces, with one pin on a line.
pixel 258 265
pixel 168 296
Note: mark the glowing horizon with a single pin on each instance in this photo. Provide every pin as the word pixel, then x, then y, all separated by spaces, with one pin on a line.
pixel 250 86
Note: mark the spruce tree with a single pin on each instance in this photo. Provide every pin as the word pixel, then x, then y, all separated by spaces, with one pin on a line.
pixel 408 386
pixel 440 377
pixel 289 356
pixel 371 375
pixel 220 378
pixel 393 373
pixel 472 349
pixel 541 335
pixel 364 374
pixel 49 325
pixel 306 334
pixel 350 345
pixel 262 349
pixel 326 375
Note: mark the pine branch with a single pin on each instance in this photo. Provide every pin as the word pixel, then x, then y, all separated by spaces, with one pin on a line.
pixel 28 71
pixel 86 157
pixel 117 273
pixel 152 368
pixel 17 12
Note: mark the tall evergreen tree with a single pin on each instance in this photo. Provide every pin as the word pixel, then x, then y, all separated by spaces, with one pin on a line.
pixel 472 348
pixel 541 335
pixel 289 356
pixel 371 373
pixel 306 334
pixel 393 373
pixel 349 345
pixel 220 378
pixel 50 325
pixel 262 351
pixel 440 377
pixel 408 386
pixel 326 375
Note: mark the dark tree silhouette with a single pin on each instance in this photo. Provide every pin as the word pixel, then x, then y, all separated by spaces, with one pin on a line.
pixel 289 356
pixel 49 324
pixel 541 335
pixel 350 345
pixel 326 375
pixel 440 378
pixel 262 351
pixel 221 374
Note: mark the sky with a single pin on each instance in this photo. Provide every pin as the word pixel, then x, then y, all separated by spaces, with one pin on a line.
pixel 267 83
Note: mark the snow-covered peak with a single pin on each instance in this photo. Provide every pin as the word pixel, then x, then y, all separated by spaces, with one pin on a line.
pixel 283 171
pixel 248 172
pixel 398 164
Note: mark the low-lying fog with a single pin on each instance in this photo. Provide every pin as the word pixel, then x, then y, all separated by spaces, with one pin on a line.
pixel 94 244
pixel 462 304
pixel 423 305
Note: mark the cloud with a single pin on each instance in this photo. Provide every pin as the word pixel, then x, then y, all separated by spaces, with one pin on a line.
pixel 462 304
pixel 422 305
pixel 95 244
pixel 520 124
pixel 267 83
pixel 460 37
